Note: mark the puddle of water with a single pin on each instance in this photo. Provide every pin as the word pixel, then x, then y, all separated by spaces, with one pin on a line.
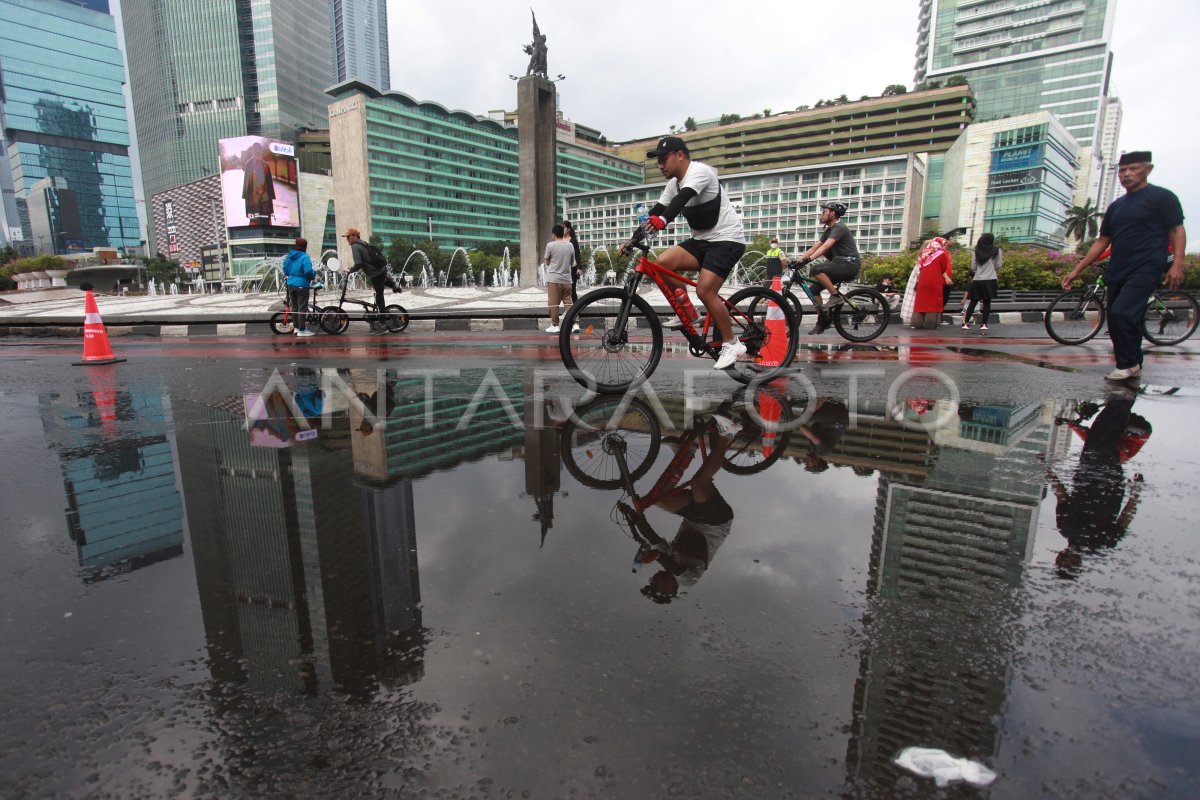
pixel 314 584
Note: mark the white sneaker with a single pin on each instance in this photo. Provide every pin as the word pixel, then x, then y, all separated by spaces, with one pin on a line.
pixel 725 426
pixel 552 329
pixel 675 323
pixel 306 333
pixel 575 328
pixel 1124 374
pixel 730 352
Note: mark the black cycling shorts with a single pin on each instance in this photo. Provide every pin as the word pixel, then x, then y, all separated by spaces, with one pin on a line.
pixel 838 269
pixel 718 257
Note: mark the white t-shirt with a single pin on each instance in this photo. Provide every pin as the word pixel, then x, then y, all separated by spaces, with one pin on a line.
pixel 702 179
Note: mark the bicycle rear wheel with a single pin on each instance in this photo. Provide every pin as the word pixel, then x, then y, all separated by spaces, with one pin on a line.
pixel 1075 316
pixel 764 322
pixel 281 323
pixel 334 320
pixel 395 318
pixel 600 356
pixel 863 316
pixel 1171 317
pixel 595 434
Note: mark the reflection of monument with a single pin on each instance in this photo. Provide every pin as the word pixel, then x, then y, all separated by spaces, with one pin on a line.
pixel 537 106
pixel 947 549
pixel 123 508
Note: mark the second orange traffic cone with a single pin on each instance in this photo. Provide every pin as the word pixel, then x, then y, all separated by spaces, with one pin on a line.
pixel 777 345
pixel 96 349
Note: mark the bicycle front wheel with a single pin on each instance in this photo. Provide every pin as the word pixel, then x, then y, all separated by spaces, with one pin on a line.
pixel 602 356
pixel 764 322
pixel 333 320
pixel 281 323
pixel 395 318
pixel 1171 317
pixel 1075 316
pixel 604 431
pixel 863 316
pixel 765 419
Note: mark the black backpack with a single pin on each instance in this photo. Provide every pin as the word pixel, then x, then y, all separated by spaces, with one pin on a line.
pixel 375 263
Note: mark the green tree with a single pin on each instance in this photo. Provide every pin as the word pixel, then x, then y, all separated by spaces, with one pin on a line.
pixel 894 89
pixel 957 80
pixel 726 119
pixel 162 269
pixel 689 124
pixel 1082 221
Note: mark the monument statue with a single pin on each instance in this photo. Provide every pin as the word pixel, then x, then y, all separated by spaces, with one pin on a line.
pixel 536 50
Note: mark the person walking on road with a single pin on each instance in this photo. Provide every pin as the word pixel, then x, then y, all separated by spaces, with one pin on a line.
pixel 298 269
pixel 1140 226
pixel 984 266
pixel 559 259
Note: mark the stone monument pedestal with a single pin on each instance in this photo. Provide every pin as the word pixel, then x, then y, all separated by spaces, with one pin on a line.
pixel 537 106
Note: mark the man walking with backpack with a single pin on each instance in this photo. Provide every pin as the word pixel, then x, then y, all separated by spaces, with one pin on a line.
pixel 370 260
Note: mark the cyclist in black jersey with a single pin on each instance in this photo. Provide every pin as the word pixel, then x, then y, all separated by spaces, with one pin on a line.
pixel 842 260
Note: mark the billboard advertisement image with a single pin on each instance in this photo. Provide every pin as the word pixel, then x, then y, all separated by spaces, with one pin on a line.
pixel 258 183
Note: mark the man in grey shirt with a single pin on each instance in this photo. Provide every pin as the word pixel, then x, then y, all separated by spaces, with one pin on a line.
pixel 560 262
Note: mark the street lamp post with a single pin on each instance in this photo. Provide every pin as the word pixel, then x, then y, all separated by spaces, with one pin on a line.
pixel 212 204
pixel 53 237
pixel 429 219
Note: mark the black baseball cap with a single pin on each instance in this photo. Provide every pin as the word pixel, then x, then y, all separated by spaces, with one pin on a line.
pixel 668 144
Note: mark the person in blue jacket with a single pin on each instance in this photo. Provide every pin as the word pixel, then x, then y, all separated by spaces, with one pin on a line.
pixel 298 268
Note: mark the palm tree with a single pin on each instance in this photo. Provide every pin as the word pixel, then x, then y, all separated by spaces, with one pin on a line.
pixel 1082 221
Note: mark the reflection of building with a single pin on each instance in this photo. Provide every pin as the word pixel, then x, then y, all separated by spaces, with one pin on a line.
pixel 199 72
pixel 123 508
pixel 946 550
pixel 65 132
pixel 884 195
pixel 303 573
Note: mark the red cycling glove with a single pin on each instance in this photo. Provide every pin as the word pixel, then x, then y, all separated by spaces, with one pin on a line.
pixel 658 223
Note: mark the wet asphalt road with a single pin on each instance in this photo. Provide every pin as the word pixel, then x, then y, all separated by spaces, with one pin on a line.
pixel 448 592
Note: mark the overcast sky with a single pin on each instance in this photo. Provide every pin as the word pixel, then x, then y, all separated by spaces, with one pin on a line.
pixel 635 68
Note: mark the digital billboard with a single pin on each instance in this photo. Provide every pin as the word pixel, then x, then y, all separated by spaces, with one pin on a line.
pixel 258 183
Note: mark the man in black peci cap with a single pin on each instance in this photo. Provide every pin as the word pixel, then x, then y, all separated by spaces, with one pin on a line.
pixel 717 239
pixel 1140 226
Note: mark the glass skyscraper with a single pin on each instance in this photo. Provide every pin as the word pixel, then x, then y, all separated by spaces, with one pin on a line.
pixel 1022 56
pixel 359 40
pixel 200 72
pixel 65 127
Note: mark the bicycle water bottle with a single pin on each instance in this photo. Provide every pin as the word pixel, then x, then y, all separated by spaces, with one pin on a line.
pixel 684 308
pixel 643 216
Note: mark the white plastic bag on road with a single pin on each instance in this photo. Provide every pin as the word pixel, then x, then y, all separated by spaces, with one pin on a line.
pixel 943 767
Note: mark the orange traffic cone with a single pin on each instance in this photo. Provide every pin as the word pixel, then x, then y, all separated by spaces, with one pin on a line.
pixel 96 349
pixel 769 411
pixel 772 355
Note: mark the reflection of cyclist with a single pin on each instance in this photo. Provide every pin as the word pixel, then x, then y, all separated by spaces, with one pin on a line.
pixel 706 523
pixel 824 430
pixel 717 240
pixel 1092 514
pixel 841 263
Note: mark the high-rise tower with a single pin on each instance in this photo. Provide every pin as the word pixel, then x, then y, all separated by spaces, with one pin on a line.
pixel 358 36
pixel 68 182
pixel 200 72
pixel 1023 56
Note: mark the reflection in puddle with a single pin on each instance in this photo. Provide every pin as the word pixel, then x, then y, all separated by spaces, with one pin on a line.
pixel 313 502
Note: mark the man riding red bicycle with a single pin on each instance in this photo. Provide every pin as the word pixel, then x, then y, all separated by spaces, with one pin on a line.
pixel 717 240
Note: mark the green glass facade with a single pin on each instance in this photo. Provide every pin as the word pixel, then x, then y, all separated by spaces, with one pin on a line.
pixel 456 176
pixel 1030 183
pixel 1022 56
pixel 64 117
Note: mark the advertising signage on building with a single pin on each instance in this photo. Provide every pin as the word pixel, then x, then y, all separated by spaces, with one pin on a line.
pixel 172 228
pixel 258 183
pixel 1017 158
pixel 1015 181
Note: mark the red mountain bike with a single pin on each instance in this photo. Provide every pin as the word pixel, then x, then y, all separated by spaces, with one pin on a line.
pixel 621 337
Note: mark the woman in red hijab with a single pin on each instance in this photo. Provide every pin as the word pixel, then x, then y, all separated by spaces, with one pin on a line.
pixel 934 272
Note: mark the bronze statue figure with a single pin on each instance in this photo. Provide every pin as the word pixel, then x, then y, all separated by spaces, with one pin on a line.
pixel 536 50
